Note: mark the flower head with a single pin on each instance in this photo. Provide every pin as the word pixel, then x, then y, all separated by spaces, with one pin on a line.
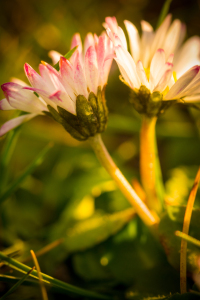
pixel 69 94
pixel 159 65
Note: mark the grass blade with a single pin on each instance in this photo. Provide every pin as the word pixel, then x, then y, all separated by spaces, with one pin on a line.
pixel 42 286
pixel 62 286
pixel 186 225
pixel 17 284
pixel 164 12
pixel 187 238
pixel 37 161
pixel 67 56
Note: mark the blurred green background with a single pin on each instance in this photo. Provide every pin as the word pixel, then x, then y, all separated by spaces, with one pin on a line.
pixel 70 186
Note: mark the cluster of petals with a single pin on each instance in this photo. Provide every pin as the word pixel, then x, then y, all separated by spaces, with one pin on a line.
pixel 84 72
pixel 158 58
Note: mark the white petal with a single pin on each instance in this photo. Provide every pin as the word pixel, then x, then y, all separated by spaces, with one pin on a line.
pixel 172 38
pixel 141 74
pixel 195 98
pixel 22 99
pixel 79 78
pixel 76 41
pixel 157 63
pixel 13 123
pixel 164 81
pixel 34 78
pixel 188 56
pixel 55 56
pixel 18 81
pixel 160 35
pixel 181 84
pixel 91 69
pixel 128 64
pixel 67 74
pixel 4 105
pixel 124 73
pixel 122 37
pixel 146 40
pixel 62 99
pixel 51 77
pixel 89 41
pixel 134 40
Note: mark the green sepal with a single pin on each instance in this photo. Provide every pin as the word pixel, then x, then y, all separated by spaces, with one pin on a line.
pixel 149 104
pixel 104 104
pixel 85 115
pixel 154 105
pixel 55 114
pixel 140 99
pixel 48 114
pixel 72 120
pixel 67 56
pixel 93 102
pixel 102 114
pixel 57 117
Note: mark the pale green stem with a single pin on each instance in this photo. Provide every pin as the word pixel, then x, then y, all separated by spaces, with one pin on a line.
pixel 105 159
pixel 150 166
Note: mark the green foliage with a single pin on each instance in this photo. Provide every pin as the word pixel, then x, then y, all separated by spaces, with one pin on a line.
pixel 68 195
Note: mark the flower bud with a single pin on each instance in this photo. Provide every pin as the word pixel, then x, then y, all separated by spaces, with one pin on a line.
pixel 90 119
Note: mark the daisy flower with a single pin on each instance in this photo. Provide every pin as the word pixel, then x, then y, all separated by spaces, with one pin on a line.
pixel 159 61
pixel 73 95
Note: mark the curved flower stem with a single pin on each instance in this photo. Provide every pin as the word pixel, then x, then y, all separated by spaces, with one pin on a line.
pixel 105 159
pixel 150 171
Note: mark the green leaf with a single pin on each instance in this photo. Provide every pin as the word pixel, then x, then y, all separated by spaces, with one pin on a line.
pixel 14 185
pixel 93 231
pixel 63 287
pixel 67 56
pixel 164 12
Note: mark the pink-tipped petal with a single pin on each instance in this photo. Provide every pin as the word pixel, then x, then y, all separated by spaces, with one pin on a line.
pixel 13 123
pixel 88 42
pixel 164 81
pixel 111 22
pixel 172 38
pixel 51 77
pixel 22 99
pixel 91 69
pixel 182 83
pixel 160 35
pixel 76 41
pixel 67 74
pixel 157 62
pixel 188 56
pixel 34 78
pixel 170 58
pixel 62 99
pixel 79 78
pixel 4 105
